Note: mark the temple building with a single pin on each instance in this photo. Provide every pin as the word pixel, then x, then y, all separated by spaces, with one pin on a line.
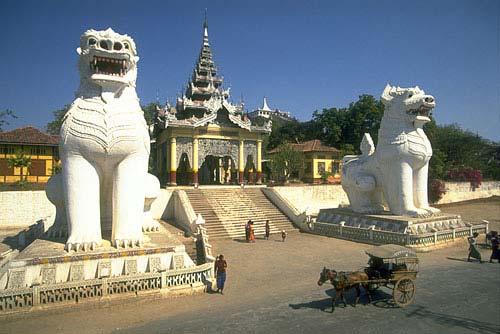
pixel 206 139
pixel 266 112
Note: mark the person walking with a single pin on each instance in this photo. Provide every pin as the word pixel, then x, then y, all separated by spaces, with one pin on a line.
pixel 247 230
pixel 220 273
pixel 251 232
pixel 283 235
pixel 495 252
pixel 268 229
pixel 473 250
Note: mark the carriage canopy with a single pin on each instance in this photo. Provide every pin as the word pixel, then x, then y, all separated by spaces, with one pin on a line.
pixel 392 252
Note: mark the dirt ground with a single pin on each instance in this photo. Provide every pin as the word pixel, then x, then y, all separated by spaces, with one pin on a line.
pixel 271 288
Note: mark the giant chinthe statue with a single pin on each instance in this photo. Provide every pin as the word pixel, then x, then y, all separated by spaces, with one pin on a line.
pixel 396 172
pixel 104 147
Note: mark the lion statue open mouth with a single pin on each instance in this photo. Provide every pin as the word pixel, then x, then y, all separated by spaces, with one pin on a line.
pixel 104 149
pixel 396 172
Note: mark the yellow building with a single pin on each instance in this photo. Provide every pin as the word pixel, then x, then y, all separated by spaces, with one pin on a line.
pixel 40 147
pixel 318 159
pixel 206 139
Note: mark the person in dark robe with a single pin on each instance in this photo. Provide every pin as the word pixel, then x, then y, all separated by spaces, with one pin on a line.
pixel 247 230
pixel 220 273
pixel 473 249
pixel 495 252
pixel 268 229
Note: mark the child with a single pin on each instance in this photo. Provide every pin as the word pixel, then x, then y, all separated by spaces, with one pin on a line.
pixel 268 229
pixel 283 235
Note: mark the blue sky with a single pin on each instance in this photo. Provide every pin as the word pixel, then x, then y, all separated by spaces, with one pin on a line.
pixel 303 55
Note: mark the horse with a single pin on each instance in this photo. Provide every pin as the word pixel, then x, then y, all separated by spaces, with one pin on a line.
pixel 343 281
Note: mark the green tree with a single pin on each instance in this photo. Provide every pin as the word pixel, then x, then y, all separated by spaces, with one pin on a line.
pixel 4 114
pixel 54 127
pixel 20 160
pixel 150 111
pixel 454 147
pixel 346 126
pixel 285 163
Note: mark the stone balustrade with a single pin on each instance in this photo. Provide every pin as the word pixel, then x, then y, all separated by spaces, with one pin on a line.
pixel 186 280
pixel 370 235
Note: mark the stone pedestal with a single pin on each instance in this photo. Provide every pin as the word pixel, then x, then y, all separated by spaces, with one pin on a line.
pixel 45 275
pixel 386 228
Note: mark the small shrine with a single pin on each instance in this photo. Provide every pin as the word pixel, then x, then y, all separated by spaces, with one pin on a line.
pixel 205 138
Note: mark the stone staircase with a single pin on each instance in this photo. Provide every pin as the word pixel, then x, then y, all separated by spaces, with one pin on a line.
pixel 226 211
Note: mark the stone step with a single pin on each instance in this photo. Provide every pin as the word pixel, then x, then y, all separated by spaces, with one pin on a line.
pixel 227 210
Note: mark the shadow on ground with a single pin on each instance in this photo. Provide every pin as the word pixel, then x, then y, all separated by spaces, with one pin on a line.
pixel 380 299
pixel 453 321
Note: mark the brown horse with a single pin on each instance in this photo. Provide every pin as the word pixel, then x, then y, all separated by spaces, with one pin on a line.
pixel 343 281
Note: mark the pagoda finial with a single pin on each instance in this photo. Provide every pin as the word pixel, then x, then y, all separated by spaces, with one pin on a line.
pixel 205 25
pixel 265 106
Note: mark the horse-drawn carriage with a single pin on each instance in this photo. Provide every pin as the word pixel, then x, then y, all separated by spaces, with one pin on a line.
pixel 392 266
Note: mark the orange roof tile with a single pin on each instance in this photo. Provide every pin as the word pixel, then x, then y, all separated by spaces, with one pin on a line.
pixel 310 146
pixel 28 135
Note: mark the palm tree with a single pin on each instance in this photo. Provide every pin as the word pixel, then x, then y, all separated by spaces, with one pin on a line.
pixel 21 161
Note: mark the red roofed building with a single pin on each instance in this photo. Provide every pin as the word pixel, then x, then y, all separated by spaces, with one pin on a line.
pixel 39 146
pixel 318 160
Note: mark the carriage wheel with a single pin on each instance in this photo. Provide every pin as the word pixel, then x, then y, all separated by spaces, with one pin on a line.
pixel 404 292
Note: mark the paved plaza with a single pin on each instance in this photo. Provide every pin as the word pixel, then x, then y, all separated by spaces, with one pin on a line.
pixel 271 288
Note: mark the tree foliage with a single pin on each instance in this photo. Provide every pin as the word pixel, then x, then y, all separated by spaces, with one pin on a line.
pixel 4 115
pixel 344 128
pixel 285 163
pixel 54 127
pixel 457 149
pixel 22 161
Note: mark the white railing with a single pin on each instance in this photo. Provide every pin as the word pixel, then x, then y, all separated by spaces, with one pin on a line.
pixel 12 300
pixel 386 237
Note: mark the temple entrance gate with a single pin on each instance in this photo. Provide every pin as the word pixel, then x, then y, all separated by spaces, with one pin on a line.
pixel 184 170
pixel 218 170
pixel 249 171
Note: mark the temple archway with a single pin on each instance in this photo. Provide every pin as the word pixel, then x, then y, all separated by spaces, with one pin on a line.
pixel 217 170
pixel 184 170
pixel 249 172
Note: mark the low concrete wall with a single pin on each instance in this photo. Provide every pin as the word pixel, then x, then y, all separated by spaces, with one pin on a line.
pixel 312 198
pixel 180 212
pixel 288 208
pixel 24 208
pixel 159 206
pixel 462 191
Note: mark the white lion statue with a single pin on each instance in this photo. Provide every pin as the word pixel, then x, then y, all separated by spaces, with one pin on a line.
pixel 104 146
pixel 396 172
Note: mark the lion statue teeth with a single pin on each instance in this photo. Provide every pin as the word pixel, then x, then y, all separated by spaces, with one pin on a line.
pixel 104 147
pixel 396 172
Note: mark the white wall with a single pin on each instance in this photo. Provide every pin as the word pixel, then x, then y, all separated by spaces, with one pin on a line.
pixel 312 198
pixel 462 191
pixel 24 208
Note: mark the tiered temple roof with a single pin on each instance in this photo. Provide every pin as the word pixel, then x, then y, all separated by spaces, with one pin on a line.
pixel 205 101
